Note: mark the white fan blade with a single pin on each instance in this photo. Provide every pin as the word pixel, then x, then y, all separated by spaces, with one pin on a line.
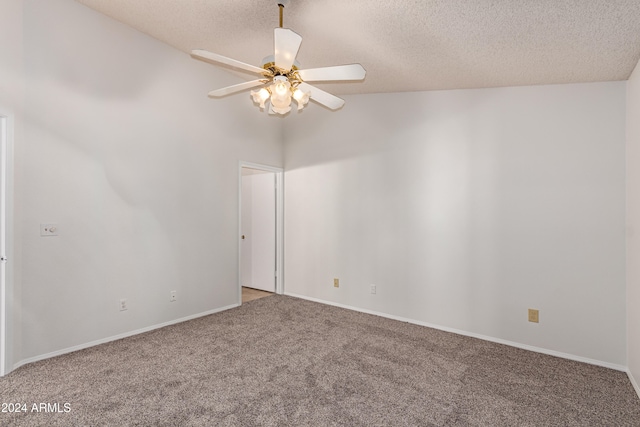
pixel 219 59
pixel 339 72
pixel 286 44
pixel 325 98
pixel 235 88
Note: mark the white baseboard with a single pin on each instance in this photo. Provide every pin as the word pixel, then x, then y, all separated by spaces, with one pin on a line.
pixel 634 383
pixel 119 336
pixel 473 335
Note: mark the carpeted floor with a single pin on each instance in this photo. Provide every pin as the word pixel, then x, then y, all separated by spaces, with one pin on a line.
pixel 282 361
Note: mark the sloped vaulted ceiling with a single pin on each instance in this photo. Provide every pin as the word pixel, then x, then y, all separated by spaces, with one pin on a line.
pixel 408 45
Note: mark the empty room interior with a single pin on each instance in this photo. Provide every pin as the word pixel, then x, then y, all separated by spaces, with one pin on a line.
pixel 452 238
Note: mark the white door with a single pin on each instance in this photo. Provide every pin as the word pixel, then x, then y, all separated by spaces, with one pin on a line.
pixel 258 228
pixel 3 234
pixel 246 262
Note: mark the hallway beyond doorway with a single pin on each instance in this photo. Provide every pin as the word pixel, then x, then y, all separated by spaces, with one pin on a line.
pixel 249 294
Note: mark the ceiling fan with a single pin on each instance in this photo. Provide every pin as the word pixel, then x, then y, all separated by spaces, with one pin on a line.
pixel 281 79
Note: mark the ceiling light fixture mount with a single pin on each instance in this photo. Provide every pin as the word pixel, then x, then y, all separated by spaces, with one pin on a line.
pixel 282 79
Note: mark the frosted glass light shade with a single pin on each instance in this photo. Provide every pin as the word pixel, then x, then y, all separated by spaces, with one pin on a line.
pixel 281 95
pixel 260 96
pixel 301 98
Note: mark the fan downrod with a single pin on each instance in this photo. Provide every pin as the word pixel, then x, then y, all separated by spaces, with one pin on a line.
pixel 281 5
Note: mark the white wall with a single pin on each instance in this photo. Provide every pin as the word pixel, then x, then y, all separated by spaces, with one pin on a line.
pixel 633 227
pixel 466 208
pixel 125 152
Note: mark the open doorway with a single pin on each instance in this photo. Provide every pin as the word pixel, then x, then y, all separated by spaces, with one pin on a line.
pixel 260 243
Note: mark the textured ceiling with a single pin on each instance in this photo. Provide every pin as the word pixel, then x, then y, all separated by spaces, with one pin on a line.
pixel 408 45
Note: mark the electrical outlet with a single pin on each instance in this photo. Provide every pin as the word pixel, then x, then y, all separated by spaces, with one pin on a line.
pixel 534 316
pixel 336 283
pixel 172 296
pixel 123 304
pixel 373 289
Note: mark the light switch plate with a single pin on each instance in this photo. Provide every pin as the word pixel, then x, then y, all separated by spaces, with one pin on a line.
pixel 47 230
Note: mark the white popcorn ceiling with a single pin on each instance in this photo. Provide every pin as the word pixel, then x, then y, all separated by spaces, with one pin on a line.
pixel 410 45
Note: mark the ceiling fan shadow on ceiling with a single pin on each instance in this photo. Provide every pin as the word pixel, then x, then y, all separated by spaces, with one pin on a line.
pixel 281 79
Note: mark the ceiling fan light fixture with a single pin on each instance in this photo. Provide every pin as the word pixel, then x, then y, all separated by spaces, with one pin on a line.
pixel 260 96
pixel 280 86
pixel 301 98
pixel 281 95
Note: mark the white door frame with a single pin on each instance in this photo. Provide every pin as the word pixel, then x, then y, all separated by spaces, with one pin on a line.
pixel 279 173
pixel 4 306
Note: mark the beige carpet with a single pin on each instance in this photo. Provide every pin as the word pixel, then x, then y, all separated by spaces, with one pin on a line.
pixel 281 361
